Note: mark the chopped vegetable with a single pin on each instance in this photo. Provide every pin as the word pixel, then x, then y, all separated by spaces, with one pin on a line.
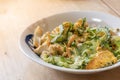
pixel 78 45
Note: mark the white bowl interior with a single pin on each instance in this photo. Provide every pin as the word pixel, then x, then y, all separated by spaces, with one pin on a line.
pixel 51 22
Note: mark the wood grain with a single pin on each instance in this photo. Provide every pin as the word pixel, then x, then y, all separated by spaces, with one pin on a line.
pixel 113 5
pixel 16 15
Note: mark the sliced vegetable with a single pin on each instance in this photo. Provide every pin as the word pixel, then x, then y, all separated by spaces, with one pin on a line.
pixel 79 46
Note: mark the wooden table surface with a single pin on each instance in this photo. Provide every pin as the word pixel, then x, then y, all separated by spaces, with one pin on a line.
pixel 16 15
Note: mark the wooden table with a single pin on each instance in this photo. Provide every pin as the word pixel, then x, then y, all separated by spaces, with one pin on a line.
pixel 16 15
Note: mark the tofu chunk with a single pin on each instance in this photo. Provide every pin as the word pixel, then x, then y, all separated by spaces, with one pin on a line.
pixel 37 34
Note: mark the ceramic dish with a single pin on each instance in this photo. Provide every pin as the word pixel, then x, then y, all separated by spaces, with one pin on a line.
pixel 48 23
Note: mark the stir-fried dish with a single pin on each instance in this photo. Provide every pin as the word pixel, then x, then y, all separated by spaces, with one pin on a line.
pixel 78 45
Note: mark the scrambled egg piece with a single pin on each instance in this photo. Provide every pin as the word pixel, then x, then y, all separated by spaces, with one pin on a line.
pixel 102 59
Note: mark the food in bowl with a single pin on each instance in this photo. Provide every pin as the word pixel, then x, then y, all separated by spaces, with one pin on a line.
pixel 78 45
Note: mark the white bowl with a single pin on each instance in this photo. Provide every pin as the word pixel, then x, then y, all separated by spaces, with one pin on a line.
pixel 50 22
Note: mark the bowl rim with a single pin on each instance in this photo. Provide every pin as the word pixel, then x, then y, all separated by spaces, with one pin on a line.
pixel 63 68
